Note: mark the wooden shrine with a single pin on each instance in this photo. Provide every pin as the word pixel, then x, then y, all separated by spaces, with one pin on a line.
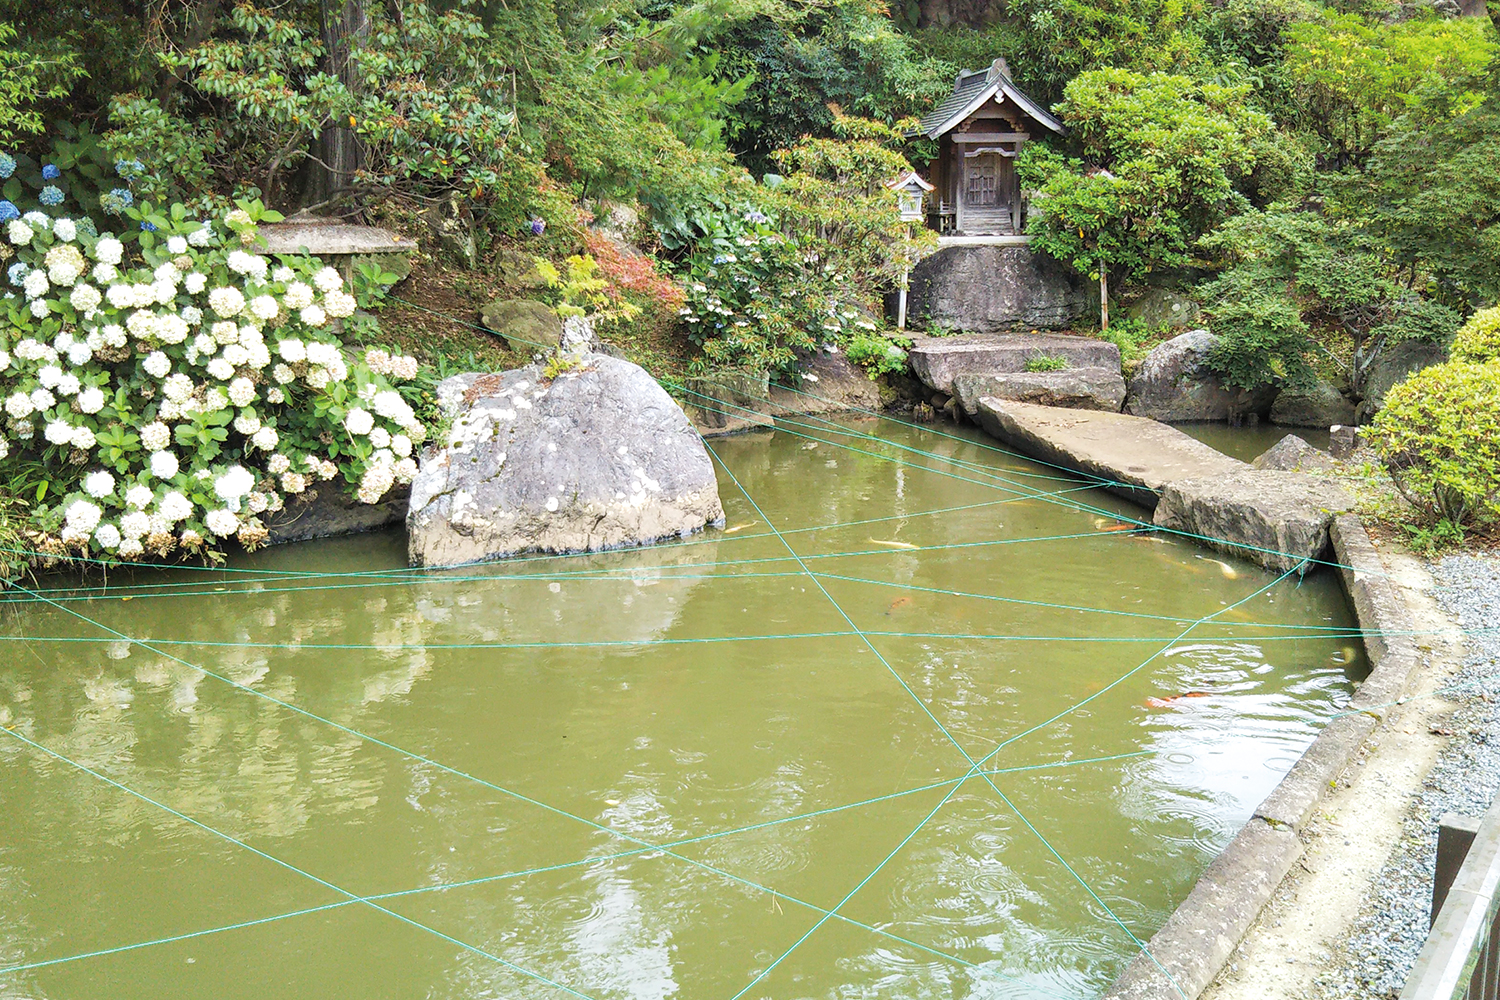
pixel 981 127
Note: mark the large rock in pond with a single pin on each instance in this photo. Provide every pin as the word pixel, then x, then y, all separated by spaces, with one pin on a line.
pixel 596 458
pixel 525 325
pixel 1292 454
pixel 937 361
pixel 984 289
pixel 1175 384
pixel 1071 388
pixel 1277 519
pixel 1319 405
pixel 729 403
pixel 1377 368
pixel 825 381
pixel 327 511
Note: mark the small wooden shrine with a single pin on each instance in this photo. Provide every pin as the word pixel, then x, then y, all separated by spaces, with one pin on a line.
pixel 981 127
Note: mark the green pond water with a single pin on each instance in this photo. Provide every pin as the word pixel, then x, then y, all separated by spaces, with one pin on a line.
pixel 654 773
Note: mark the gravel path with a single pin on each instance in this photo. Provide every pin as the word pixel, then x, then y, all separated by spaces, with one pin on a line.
pixel 1393 922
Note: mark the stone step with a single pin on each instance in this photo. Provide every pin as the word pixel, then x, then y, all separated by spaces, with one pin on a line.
pixel 1071 388
pixel 937 360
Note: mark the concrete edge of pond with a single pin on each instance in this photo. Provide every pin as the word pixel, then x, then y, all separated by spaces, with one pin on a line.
pixel 1195 943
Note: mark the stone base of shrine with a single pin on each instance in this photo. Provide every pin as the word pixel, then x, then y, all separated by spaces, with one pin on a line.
pixel 987 286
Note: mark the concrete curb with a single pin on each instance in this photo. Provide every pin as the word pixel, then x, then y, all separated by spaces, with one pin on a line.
pixel 1200 935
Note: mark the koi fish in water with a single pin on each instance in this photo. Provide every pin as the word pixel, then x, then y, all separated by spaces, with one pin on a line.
pixel 898 604
pixel 892 543
pixel 740 527
pixel 1167 701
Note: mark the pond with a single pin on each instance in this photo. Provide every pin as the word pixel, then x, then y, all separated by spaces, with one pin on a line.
pixel 966 742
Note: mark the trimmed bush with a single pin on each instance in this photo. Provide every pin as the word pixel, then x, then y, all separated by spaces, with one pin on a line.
pixel 1439 435
pixel 1478 340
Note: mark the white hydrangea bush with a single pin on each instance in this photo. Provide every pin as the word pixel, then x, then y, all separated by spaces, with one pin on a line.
pixel 167 394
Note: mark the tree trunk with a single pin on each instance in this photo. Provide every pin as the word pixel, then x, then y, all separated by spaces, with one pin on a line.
pixel 1103 299
pixel 345 26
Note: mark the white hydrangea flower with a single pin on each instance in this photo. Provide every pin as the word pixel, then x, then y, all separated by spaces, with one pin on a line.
pixel 236 355
pixel 405 470
pixel 327 470
pixel 375 483
pixel 68 385
pixel 247 423
pixel 195 282
pixel 204 344
pixel 18 406
pixel 222 522
pixel 293 482
pixel 83 516
pixel 157 364
pixel 58 432
pixel 98 484
pixel 65 230
pixel 177 245
pixel 135 524
pixel 225 332
pixel 328 280
pixel 277 464
pixel 191 315
pixel 266 438
pixel 83 438
pixel 401 445
pixel 85 298
pixel 392 407
pixel 37 220
pixel 257 356
pixel 242 392
pixel 313 316
pixel 234 484
pixel 264 308
pixel 4 360
pixel 29 349
pixel 49 376
pixel 35 284
pixel 292 350
pixel 65 264
pixel 283 274
pixel 283 374
pixel 380 437
pixel 175 507
pixel 172 329
pixel 339 304
pixel 113 334
pixel 275 395
pixel 226 302
pixel 359 421
pixel 108 536
pixel 177 387
pixel 91 400
pixel 20 233
pixel 141 324
pixel 139 496
pixel 297 295
pixel 155 436
pixel 80 354
pixel 201 236
pixel 39 309
pixel 164 465
pixel 41 399
pixel 319 378
pixel 130 548
pixel 109 251
pixel 220 369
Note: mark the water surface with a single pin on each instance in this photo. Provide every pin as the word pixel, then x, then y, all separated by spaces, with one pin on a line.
pixel 653 774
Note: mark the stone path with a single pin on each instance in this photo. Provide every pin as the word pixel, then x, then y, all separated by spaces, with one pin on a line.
pixel 1275 518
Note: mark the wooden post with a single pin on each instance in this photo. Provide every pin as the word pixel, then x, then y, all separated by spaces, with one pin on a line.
pixel 901 301
pixel 1103 299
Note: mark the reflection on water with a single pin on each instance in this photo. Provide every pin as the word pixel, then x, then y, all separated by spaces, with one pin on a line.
pixel 651 774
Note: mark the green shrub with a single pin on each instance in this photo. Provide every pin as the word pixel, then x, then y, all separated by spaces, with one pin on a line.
pixel 876 354
pixel 1046 363
pixel 1417 318
pixel 1478 340
pixel 165 389
pixel 1439 436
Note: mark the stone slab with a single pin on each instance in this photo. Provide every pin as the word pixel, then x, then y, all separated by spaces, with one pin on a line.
pixel 1072 388
pixel 938 360
pixel 1201 934
pixel 1293 800
pixel 1136 456
pixel 321 238
pixel 1277 519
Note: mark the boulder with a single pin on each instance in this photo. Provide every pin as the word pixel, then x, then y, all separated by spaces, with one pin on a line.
pixel 596 458
pixel 1377 368
pixel 1320 405
pixel 1159 308
pixel 1277 519
pixel 327 511
pixel 1292 454
pixel 1343 440
pixel 1071 388
pixel 826 381
pixel 984 289
pixel 937 361
pixel 729 403
pixel 526 326
pixel 1174 383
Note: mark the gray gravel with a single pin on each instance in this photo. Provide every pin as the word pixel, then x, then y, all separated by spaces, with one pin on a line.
pixel 1393 921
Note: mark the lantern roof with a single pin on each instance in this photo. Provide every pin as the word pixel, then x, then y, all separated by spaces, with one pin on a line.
pixel 970 92
pixel 909 180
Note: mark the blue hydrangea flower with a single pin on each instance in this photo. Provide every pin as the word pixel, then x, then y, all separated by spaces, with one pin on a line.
pixel 538 226
pixel 7 165
pixel 50 195
pixel 116 201
pixel 129 168
pixel 8 211
pixel 50 172
pixel 148 227
pixel 17 273
pixel 86 226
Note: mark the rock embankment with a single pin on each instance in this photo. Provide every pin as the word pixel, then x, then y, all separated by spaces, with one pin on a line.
pixel 1278 519
pixel 597 457
pixel 937 361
